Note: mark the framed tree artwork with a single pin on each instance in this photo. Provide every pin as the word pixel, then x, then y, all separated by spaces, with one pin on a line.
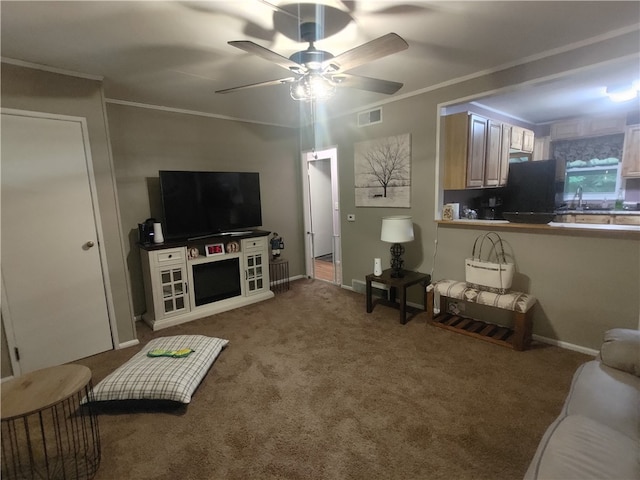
pixel 383 172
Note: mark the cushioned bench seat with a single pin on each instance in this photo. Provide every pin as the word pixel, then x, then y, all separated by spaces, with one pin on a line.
pixel 518 337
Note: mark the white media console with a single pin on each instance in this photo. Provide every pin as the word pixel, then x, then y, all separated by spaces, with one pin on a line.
pixel 187 280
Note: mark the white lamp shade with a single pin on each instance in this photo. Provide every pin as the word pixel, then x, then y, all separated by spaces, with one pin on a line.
pixel 398 229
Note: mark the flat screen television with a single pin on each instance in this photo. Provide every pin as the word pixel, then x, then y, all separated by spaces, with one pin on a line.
pixel 531 188
pixel 197 204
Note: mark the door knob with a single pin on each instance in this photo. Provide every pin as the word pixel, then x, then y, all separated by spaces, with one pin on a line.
pixel 90 244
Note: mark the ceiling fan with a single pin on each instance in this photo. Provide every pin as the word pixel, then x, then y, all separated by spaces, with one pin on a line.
pixel 317 73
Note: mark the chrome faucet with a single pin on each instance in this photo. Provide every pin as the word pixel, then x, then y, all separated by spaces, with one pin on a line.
pixel 579 195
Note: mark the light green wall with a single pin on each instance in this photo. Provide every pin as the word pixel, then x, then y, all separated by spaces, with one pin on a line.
pixel 145 141
pixel 585 285
pixel 36 90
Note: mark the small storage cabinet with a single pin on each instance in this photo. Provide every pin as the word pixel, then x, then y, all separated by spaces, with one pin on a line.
pixel 255 259
pixel 167 275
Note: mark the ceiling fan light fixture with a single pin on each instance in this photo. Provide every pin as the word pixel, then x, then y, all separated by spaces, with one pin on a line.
pixel 312 87
pixel 622 93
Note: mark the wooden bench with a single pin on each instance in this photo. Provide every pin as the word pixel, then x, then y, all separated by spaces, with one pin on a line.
pixel 518 337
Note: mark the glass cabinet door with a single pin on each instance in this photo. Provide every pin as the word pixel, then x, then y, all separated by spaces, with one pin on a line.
pixel 173 290
pixel 254 273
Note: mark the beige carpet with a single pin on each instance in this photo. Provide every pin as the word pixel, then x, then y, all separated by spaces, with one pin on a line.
pixel 313 387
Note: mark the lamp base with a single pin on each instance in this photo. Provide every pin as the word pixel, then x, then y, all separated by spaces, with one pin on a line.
pixel 396 260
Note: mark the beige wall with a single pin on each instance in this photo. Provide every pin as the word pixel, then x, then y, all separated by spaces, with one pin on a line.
pixel 35 90
pixel 146 140
pixel 585 285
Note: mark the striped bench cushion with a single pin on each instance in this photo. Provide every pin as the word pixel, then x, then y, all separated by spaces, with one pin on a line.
pixel 515 301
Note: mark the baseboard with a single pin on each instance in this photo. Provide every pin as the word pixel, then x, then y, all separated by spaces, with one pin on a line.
pixel 566 345
pixel 6 379
pixel 539 338
pixel 130 343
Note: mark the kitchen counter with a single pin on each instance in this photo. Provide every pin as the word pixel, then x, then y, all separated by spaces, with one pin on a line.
pixel 592 211
pixel 553 228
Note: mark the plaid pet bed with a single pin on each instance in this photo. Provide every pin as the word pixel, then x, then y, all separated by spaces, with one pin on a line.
pixel 161 378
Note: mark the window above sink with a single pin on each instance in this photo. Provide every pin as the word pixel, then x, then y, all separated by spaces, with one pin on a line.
pixel 592 168
pixel 600 179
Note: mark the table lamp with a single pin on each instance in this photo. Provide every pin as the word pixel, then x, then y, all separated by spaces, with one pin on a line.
pixel 397 230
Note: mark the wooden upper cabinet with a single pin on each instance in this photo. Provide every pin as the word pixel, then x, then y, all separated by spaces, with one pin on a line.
pixel 504 154
pixel 528 140
pixel 573 128
pixel 522 139
pixel 456 132
pixel 493 155
pixel 595 126
pixel 516 138
pixel 477 150
pixel 631 152
pixel 587 127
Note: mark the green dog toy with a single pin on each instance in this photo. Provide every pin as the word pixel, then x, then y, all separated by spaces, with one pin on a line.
pixel 158 352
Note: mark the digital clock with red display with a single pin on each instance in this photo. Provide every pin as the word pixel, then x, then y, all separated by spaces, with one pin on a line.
pixel 214 249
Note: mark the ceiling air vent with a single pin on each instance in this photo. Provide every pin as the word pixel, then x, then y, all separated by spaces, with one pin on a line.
pixel 370 117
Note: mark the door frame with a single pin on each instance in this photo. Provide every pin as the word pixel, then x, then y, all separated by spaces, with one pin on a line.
pixel 6 314
pixel 331 154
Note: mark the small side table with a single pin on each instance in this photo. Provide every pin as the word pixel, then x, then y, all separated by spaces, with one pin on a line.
pixel 45 431
pixel 400 285
pixel 279 275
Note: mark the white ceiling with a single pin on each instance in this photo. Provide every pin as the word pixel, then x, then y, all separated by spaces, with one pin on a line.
pixel 175 54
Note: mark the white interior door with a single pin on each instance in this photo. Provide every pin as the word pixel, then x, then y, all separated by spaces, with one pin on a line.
pixel 54 300
pixel 322 211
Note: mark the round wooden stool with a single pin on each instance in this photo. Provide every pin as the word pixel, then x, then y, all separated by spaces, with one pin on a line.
pixel 46 433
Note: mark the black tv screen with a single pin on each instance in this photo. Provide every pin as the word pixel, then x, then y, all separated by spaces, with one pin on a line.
pixel 531 187
pixel 205 203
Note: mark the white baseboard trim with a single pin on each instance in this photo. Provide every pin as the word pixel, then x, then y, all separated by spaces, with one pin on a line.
pixel 567 345
pixel 130 343
pixel 539 338
pixel 6 379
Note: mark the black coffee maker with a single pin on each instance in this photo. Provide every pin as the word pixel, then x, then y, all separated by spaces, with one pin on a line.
pixel 145 231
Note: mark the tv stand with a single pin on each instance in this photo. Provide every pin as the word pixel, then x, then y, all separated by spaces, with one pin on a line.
pixel 180 286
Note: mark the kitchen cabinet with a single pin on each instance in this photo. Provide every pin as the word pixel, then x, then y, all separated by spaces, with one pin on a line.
pixel 631 152
pixel 493 155
pixel 541 148
pixel 626 220
pixel 587 127
pixel 600 218
pixel 504 153
pixel 474 152
pixel 477 150
pixel 522 139
pixel 597 219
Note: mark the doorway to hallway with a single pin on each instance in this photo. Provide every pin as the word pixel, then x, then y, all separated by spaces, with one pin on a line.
pixel 322 215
